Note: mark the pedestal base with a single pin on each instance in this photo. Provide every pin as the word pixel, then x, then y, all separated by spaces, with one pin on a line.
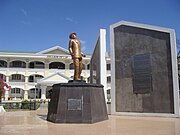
pixel 77 103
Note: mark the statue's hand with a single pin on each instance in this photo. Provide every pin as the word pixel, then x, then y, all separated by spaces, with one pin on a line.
pixel 72 55
pixel 83 55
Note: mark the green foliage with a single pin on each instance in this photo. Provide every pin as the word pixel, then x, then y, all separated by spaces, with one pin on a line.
pixel 31 105
pixel 24 105
pixel 25 101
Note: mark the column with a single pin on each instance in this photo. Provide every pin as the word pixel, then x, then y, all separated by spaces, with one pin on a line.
pixel 67 63
pixel 26 79
pixel 6 94
pixel 8 63
pixel 27 64
pixel 7 78
pixel 43 91
pixel 46 65
pixel 46 70
pixel 67 68
pixel 85 66
pixel 26 71
pixel 25 95
pixel 7 71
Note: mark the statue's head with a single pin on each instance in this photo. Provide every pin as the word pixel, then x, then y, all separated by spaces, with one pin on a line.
pixel 72 35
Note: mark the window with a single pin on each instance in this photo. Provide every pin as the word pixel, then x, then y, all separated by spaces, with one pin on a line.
pixel 36 64
pixel 109 79
pixel 108 91
pixel 3 77
pixel 16 77
pixel 83 66
pixel 108 66
pixel 31 78
pixel 178 66
pixel 71 66
pixel 16 91
pixel 32 91
pixel 88 66
pixel 3 63
pixel 18 64
pixel 82 78
pixel 38 76
pixel 88 79
pixel 56 65
pixel 35 78
pixel 108 94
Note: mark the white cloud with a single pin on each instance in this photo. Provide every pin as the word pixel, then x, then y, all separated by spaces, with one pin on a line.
pixel 70 20
pixel 23 11
pixel 25 22
pixel 82 41
pixel 83 48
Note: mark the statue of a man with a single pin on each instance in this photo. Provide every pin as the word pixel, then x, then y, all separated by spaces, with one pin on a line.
pixel 75 51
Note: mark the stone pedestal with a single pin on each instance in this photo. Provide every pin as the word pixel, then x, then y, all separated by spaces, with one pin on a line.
pixel 77 102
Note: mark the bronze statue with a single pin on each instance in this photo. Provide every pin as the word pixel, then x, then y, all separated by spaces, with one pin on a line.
pixel 75 51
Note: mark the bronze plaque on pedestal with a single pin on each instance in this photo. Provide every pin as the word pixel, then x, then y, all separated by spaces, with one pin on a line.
pixel 74 104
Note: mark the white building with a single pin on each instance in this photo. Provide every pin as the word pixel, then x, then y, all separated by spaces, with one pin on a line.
pixel 31 75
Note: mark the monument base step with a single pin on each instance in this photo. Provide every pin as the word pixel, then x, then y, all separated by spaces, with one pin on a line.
pixel 77 103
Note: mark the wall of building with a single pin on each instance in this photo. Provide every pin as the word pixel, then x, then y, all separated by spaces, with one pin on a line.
pixel 26 72
pixel 24 84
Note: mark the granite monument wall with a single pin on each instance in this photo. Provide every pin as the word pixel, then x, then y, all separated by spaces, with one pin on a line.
pixel 144 69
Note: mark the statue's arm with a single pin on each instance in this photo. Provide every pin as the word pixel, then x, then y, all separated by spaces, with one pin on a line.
pixel 71 48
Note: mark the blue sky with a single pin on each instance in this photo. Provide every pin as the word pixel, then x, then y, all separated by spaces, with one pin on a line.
pixel 35 25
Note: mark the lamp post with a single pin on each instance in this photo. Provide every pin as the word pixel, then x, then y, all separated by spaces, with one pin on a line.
pixel 15 93
pixel 35 91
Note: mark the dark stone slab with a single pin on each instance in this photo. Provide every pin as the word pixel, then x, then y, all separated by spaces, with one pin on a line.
pixel 77 103
pixel 143 70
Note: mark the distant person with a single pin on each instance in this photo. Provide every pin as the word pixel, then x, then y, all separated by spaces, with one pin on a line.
pixel 75 51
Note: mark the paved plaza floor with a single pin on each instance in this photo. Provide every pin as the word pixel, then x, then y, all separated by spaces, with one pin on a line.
pixel 34 123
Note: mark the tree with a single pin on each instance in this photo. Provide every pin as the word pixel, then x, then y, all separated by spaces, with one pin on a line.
pixel 2 88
